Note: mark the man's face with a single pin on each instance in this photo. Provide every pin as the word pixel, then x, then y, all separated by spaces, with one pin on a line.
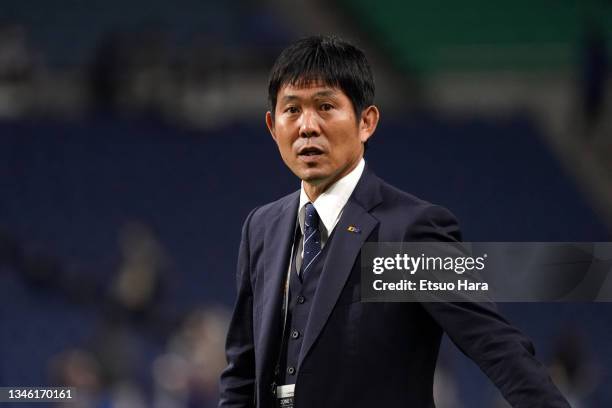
pixel 317 133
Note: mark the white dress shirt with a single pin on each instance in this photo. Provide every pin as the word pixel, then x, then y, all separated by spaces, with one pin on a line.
pixel 329 206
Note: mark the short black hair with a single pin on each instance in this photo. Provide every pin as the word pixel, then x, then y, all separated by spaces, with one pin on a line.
pixel 329 59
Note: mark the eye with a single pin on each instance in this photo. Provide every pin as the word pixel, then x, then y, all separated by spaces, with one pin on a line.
pixel 291 109
pixel 326 106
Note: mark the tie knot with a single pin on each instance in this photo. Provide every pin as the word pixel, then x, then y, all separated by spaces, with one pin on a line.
pixel 311 218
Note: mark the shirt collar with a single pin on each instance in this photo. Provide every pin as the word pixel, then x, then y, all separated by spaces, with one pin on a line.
pixel 330 203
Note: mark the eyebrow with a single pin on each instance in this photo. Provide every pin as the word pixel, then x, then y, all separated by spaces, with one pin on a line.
pixel 320 94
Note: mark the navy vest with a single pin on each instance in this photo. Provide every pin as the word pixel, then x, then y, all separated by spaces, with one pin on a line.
pixel 301 296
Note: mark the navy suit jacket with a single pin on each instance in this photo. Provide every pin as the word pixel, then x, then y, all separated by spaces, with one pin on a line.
pixel 364 354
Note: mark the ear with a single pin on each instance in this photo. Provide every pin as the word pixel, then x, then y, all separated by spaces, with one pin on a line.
pixel 270 124
pixel 368 122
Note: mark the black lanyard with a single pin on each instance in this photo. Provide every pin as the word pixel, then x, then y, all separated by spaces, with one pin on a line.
pixel 285 306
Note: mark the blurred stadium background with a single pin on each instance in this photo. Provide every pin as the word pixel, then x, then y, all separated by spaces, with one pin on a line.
pixel 128 130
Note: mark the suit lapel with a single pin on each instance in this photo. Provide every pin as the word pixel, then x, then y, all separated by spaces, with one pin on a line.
pixel 342 253
pixel 277 246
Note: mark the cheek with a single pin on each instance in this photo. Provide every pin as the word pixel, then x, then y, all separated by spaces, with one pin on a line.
pixel 346 142
pixel 285 148
pixel 283 138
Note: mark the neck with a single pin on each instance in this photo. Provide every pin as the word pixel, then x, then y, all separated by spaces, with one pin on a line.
pixel 314 189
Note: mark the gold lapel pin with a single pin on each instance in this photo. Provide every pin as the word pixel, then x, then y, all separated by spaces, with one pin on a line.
pixel 352 228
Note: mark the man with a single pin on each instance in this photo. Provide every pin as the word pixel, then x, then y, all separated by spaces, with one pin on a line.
pixel 299 333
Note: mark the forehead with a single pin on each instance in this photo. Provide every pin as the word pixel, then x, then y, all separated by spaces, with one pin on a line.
pixel 308 89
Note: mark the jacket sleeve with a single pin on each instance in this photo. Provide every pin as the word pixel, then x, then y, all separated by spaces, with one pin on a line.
pixel 501 351
pixel 237 382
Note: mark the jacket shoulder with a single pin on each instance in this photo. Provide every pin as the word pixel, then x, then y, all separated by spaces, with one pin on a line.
pixel 420 219
pixel 272 209
pixel 260 216
pixel 399 197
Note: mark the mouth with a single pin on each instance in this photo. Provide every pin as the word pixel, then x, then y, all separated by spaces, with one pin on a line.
pixel 310 151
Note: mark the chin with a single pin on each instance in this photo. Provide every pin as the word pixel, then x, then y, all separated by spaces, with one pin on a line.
pixel 313 176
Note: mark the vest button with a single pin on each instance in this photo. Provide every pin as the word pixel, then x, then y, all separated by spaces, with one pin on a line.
pixel 300 299
pixel 295 334
pixel 290 370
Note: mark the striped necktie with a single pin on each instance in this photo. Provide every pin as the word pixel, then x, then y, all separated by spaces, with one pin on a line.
pixel 312 239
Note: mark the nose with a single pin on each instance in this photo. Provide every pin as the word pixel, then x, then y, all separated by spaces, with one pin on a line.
pixel 309 126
